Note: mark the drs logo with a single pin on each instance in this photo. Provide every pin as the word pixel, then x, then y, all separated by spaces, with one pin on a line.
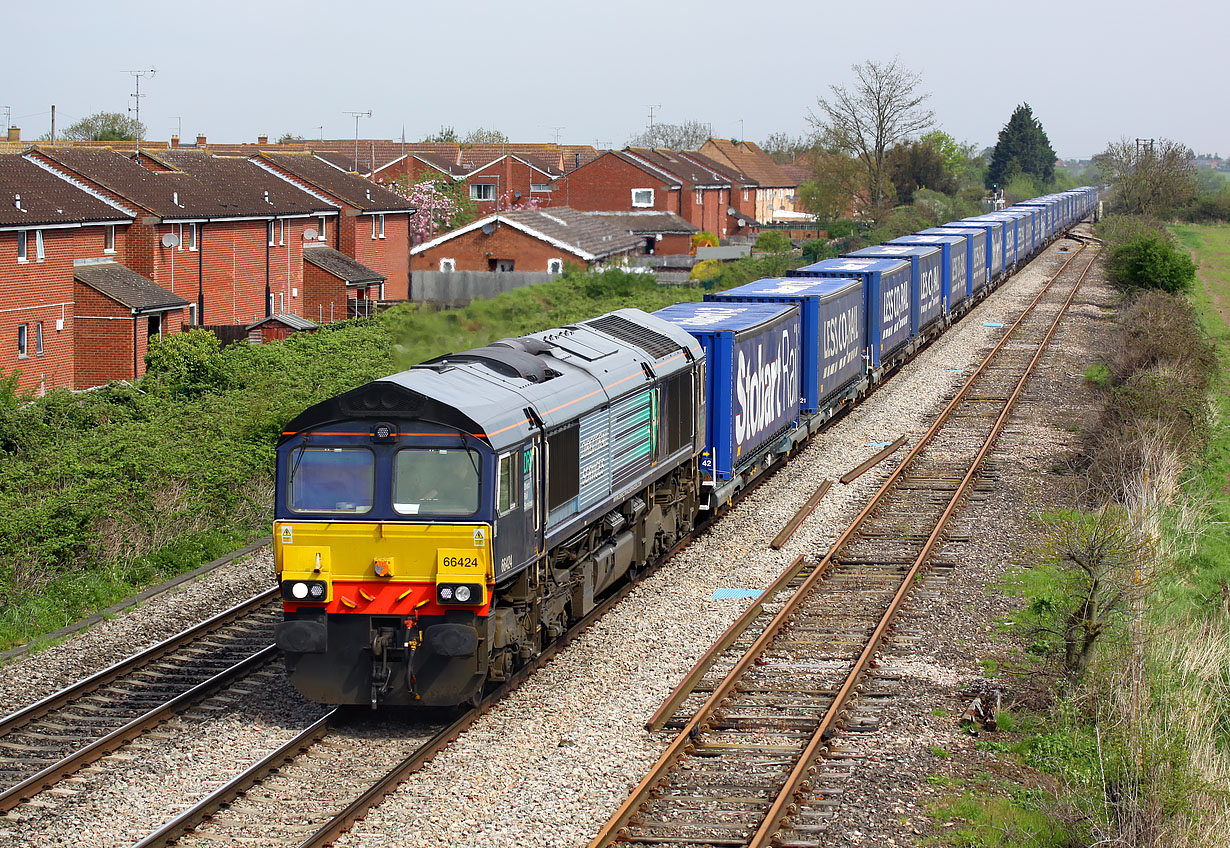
pixel 767 383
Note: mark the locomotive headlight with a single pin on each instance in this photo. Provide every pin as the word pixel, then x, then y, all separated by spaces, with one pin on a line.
pixel 299 590
pixel 309 591
pixel 462 594
pixel 317 591
pixel 446 593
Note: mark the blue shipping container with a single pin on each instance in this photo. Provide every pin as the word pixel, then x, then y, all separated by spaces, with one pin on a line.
pixel 886 298
pixel 995 242
pixel 954 272
pixel 926 284
pixel 833 328
pixel 751 373
pixel 975 256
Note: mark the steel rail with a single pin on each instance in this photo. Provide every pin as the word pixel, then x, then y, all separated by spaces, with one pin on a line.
pixel 797 782
pixel 698 722
pixel 779 541
pixel 854 473
pixel 56 700
pixel 204 808
pixel 14 795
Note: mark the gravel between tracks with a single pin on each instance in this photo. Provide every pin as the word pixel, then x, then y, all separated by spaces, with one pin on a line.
pixel 551 764
pixel 36 675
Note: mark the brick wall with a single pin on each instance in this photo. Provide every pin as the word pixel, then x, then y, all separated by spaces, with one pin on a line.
pixel 606 184
pixel 473 251
pixel 103 339
pixel 389 255
pixel 324 295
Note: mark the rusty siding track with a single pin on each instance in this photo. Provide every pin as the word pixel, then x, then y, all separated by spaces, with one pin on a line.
pixel 739 770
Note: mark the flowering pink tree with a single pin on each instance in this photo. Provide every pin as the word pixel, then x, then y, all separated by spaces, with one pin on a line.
pixel 439 206
pixel 507 201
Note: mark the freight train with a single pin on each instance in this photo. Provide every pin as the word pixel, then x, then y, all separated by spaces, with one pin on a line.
pixel 436 528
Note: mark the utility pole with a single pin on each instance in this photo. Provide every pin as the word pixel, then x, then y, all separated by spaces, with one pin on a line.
pixel 558 130
pixel 356 116
pixel 137 97
pixel 53 123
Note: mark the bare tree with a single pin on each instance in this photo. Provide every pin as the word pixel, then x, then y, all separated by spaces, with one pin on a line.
pixel 1153 176
pixel 688 135
pixel 785 148
pixel 839 187
pixel 881 109
pixel 483 136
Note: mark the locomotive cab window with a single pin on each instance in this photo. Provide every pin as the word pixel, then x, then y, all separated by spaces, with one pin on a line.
pixel 436 481
pixel 509 478
pixel 340 480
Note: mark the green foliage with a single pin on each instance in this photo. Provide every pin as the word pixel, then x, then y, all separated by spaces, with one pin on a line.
pixel 773 241
pixel 1152 261
pixel 445 135
pixel 186 363
pixel 1099 375
pixel 990 819
pixel 104 126
pixel 914 165
pixel 840 228
pixel 704 239
pixel 1021 186
pixel 1023 148
pixel 818 249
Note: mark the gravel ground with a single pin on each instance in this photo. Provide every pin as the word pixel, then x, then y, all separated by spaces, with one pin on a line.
pixel 34 676
pixel 550 765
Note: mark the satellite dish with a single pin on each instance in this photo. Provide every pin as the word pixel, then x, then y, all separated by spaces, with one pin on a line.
pixel 517 195
pixel 309 234
pixel 488 229
pixel 170 240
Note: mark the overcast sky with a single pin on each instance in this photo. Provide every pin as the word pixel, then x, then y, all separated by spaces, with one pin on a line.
pixel 1092 71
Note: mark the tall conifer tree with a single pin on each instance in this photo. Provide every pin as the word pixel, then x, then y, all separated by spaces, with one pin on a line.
pixel 1023 148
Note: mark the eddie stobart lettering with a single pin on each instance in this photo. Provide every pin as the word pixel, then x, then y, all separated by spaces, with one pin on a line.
pixel 766 385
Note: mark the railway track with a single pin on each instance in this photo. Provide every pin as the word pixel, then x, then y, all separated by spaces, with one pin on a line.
pixel 53 738
pixel 760 711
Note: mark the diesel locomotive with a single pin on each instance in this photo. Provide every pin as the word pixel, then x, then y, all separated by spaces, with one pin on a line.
pixel 434 529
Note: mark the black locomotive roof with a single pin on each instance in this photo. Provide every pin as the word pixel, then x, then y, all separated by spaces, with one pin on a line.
pixel 500 392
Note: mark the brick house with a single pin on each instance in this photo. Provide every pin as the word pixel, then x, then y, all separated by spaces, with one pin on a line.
pixel 777 188
pixel 116 314
pixel 659 233
pixel 337 286
pixel 48 328
pixel 617 181
pixel 500 182
pixel 221 232
pixel 526 240
pixel 372 228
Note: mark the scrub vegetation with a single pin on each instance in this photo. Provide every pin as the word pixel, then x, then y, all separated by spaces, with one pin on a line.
pixel 108 491
pixel 1123 688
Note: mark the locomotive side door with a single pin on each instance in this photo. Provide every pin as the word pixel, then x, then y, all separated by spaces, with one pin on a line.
pixel 514 511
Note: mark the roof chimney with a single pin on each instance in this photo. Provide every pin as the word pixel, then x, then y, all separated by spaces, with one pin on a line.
pixel 14 134
pixel 174 141
pixel 200 139
pixel 262 140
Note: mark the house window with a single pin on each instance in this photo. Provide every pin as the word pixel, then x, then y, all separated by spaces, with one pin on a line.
pixel 373 226
pixel 38 339
pixel 192 236
pixel 109 239
pixel 642 197
pixel 700 197
pixel 38 245
pixel 23 331
pixel 271 233
pixel 282 302
pixel 540 187
pixel 381 226
pixel 23 250
pixel 180 233
pixel 321 229
pixel 482 191
pixel 192 314
pixel 555 266
pixel 745 194
pixel 448 264
pixel 282 232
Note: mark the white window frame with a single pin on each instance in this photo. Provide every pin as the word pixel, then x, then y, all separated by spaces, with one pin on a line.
pixel 38 245
pixel 281 303
pixel 373 227
pixel 191 314
pixel 381 216
pixel 179 232
pixel 555 266
pixel 449 265
pixel 700 197
pixel 321 234
pixel 109 239
pixel 270 233
pixel 38 339
pixel 192 236
pixel 487 189
pixel 544 188
pixel 642 204
pixel 282 232
pixel 745 194
pixel 23 341
pixel 23 246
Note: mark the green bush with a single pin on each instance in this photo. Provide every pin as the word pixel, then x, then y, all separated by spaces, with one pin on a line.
pixel 840 228
pixel 186 363
pixel 1152 261
pixel 773 241
pixel 818 249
